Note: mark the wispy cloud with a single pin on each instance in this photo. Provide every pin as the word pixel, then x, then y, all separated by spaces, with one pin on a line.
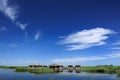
pixel 116 43
pixel 115 48
pixel 114 55
pixel 86 38
pixel 11 12
pixel 89 58
pixel 37 35
pixel 14 45
pixel 3 29
pixel 22 26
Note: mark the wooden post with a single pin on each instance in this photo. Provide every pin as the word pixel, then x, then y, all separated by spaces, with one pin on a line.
pixel 70 68
pixel 56 68
pixel 61 68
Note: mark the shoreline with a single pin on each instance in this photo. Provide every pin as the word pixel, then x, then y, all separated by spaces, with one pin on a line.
pixel 90 69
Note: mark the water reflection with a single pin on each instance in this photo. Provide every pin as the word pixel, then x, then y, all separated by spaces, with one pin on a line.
pixel 78 71
pixel 65 75
pixel 69 71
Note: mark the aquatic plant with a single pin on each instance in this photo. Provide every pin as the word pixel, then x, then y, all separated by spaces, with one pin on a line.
pixel 35 70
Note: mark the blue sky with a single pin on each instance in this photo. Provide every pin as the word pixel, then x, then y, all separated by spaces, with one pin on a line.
pixel 65 32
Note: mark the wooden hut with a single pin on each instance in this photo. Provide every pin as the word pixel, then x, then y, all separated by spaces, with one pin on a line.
pixel 44 66
pixel 32 66
pixel 38 66
pixel 70 68
pixel 77 68
pixel 56 67
pixel 35 66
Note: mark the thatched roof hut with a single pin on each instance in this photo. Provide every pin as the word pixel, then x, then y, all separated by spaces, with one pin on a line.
pixel 70 65
pixel 39 66
pixel 56 67
pixel 44 66
pixel 35 66
pixel 53 65
pixel 77 66
pixel 32 66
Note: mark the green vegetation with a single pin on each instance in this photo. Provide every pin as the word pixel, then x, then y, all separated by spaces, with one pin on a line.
pixel 13 67
pixel 27 69
pixel 102 69
pixel 35 70
pixel 92 69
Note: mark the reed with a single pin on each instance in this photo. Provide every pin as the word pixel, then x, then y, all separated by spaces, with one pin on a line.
pixel 35 70
pixel 101 69
pixel 27 69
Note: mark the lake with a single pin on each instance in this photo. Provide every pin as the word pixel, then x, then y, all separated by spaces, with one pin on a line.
pixel 7 74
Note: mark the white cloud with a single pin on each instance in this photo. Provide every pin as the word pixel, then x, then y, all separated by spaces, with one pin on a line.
pixel 86 38
pixel 89 58
pixel 9 11
pixel 37 35
pixel 3 28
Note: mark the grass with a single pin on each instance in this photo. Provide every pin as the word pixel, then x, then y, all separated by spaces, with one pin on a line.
pixel 12 67
pixel 101 69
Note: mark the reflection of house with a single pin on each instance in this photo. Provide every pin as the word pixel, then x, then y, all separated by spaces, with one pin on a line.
pixel 56 67
pixel 70 68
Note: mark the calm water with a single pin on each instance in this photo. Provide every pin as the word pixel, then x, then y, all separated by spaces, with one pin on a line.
pixel 11 75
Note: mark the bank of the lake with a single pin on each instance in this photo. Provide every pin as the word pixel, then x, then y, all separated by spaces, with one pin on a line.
pixel 102 69
pixel 91 69
pixel 10 74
